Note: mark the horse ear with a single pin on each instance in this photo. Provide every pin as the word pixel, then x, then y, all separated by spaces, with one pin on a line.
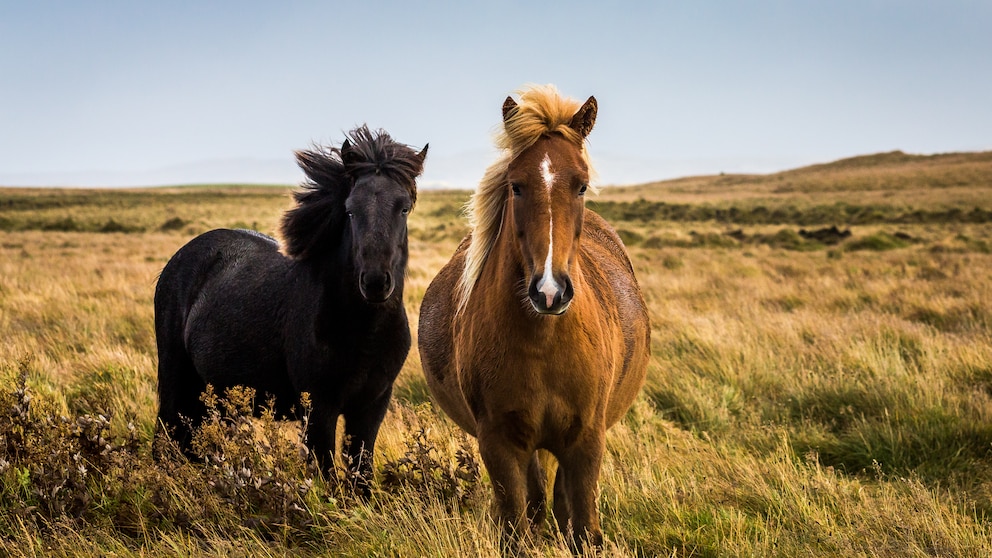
pixel 423 155
pixel 584 119
pixel 348 154
pixel 509 107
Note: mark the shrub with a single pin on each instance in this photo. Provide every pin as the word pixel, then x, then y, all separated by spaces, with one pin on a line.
pixel 425 469
pixel 112 226
pixel 629 237
pixel 173 224
pixel 51 465
pixel 250 473
pixel 789 240
pixel 255 467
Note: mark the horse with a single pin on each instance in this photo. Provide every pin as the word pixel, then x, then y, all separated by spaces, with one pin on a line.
pixel 535 335
pixel 326 317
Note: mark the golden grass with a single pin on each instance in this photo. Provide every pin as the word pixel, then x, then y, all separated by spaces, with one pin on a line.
pixel 819 401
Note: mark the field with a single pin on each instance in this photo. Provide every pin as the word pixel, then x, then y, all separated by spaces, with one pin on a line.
pixel 812 391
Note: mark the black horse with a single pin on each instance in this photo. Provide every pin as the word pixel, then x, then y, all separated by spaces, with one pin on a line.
pixel 327 319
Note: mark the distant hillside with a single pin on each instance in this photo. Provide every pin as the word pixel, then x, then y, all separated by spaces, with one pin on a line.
pixel 947 180
pixel 216 171
pixel 898 159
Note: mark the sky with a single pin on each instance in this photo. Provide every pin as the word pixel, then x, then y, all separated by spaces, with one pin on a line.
pixel 122 93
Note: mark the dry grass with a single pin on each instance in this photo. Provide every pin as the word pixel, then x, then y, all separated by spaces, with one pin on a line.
pixel 802 399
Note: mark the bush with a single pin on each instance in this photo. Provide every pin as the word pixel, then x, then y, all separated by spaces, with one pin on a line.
pixel 250 473
pixel 112 226
pixel 629 237
pixel 50 465
pixel 255 467
pixel 425 469
pixel 173 224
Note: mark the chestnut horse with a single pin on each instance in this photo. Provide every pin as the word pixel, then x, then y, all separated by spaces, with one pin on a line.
pixel 535 334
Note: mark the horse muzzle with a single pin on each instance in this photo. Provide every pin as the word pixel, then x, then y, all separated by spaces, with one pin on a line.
pixel 550 296
pixel 376 286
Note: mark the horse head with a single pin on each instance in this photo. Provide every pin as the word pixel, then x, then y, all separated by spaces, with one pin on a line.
pixel 356 204
pixel 377 207
pixel 548 182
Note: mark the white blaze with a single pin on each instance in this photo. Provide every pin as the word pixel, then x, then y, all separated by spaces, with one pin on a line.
pixel 547 285
pixel 549 177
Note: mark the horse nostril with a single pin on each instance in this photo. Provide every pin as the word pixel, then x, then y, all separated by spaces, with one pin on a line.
pixel 387 281
pixel 550 296
pixel 568 292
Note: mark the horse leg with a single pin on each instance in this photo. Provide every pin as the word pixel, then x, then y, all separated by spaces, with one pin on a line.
pixel 361 427
pixel 581 465
pixel 536 492
pixel 561 508
pixel 180 409
pixel 321 435
pixel 507 465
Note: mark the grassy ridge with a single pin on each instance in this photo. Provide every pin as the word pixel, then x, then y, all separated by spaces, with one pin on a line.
pixel 803 397
pixel 962 180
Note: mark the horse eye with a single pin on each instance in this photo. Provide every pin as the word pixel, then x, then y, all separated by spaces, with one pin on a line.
pixel 406 210
pixel 516 189
pixel 349 214
pixel 582 189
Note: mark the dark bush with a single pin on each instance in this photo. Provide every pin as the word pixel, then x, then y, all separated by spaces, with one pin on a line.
pixel 173 224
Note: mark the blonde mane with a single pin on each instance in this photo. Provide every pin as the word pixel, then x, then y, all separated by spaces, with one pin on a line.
pixel 541 111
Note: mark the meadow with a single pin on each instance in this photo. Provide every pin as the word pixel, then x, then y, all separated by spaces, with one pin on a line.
pixel 812 391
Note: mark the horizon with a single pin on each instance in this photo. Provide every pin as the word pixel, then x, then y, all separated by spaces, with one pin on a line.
pixel 434 186
pixel 114 94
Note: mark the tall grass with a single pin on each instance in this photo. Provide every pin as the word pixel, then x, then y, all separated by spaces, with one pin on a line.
pixel 802 398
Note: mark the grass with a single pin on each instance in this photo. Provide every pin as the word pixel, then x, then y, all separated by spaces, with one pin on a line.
pixel 803 398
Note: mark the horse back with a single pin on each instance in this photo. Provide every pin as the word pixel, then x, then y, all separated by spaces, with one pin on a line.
pixel 215 301
pixel 202 261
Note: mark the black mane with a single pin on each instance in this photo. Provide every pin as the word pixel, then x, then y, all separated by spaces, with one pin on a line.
pixel 331 171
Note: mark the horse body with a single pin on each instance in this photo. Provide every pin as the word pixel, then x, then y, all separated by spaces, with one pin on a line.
pixel 549 346
pixel 582 358
pixel 327 319
pixel 225 272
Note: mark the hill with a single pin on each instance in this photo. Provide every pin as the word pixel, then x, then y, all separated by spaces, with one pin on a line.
pixel 944 180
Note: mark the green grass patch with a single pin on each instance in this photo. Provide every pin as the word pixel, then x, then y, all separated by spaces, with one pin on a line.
pixel 877 242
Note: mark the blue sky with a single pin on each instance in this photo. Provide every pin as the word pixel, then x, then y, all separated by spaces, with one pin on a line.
pixel 121 93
